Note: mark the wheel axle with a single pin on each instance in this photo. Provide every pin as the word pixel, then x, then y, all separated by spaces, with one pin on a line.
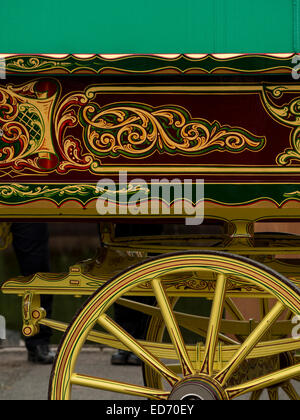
pixel 198 387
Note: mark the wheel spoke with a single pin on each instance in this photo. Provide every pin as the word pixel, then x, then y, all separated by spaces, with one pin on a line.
pixel 250 343
pixel 172 327
pixel 255 396
pixel 263 382
pixel 273 393
pixel 289 389
pixel 120 387
pixel 264 307
pixel 214 326
pixel 233 309
pixel 133 345
pixel 264 310
pixel 188 321
pixel 248 278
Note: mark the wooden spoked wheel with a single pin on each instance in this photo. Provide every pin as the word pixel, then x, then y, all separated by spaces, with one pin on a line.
pixel 203 370
pixel 156 332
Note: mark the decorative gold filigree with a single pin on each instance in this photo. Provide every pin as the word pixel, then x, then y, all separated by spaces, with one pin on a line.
pixel 294 194
pixel 192 283
pixel 45 191
pixel 134 130
pixel 25 126
pixel 35 64
pixel 287 114
pixel 138 130
pixel 70 147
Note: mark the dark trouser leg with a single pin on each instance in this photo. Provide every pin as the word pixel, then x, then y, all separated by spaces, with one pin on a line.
pixel 30 242
pixel 132 321
pixel 135 323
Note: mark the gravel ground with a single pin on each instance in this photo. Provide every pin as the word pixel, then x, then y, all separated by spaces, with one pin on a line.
pixel 21 380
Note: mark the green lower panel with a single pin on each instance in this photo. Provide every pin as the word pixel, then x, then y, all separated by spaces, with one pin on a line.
pixel 228 194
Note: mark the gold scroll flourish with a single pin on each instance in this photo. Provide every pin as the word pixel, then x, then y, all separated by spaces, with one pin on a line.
pixel 19 191
pixel 287 114
pixel 137 130
pixel 14 133
pixel 70 148
pixel 25 124
pixel 188 283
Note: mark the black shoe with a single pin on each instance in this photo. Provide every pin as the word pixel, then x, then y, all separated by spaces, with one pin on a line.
pixel 41 354
pixel 120 357
pixel 133 360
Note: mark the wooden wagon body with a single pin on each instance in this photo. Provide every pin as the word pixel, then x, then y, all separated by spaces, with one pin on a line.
pixel 127 140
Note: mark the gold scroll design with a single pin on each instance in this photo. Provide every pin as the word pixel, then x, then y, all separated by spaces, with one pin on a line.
pixel 191 282
pixel 20 191
pixel 138 130
pixel 25 122
pixel 70 148
pixel 287 114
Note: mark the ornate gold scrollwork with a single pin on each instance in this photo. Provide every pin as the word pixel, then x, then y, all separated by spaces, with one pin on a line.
pixel 132 130
pixel 138 130
pixel 25 122
pixel 287 114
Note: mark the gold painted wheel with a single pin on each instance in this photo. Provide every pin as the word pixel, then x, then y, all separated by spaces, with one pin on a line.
pixel 156 332
pixel 206 368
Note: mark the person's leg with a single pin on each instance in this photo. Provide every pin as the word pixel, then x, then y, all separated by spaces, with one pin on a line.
pixel 135 323
pixel 31 245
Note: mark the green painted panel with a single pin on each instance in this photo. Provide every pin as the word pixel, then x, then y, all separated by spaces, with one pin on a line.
pixel 228 194
pixel 156 26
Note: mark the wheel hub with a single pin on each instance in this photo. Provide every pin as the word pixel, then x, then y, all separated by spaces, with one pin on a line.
pixel 198 387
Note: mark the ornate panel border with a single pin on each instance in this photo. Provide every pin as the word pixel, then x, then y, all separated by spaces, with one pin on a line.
pixel 36 136
pixel 149 64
